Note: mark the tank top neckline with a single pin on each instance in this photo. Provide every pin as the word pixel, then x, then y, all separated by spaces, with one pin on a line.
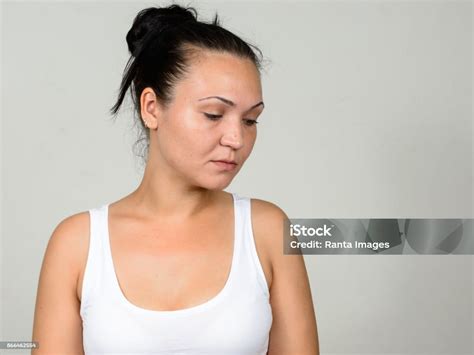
pixel 182 311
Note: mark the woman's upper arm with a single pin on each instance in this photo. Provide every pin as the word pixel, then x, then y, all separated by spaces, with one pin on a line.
pixel 294 329
pixel 57 323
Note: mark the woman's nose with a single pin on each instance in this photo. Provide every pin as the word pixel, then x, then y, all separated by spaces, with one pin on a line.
pixel 233 137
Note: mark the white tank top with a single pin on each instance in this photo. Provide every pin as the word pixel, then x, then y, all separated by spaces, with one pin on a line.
pixel 235 321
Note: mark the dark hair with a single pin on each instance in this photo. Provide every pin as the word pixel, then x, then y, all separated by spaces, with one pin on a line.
pixel 162 41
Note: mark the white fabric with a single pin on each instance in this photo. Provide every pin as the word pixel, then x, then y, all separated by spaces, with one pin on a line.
pixel 235 321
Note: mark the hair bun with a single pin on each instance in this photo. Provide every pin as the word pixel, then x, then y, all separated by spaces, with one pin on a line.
pixel 155 19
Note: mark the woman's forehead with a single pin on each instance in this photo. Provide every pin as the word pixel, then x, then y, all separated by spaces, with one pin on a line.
pixel 222 75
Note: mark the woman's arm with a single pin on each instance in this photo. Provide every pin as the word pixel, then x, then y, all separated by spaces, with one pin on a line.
pixel 57 323
pixel 294 330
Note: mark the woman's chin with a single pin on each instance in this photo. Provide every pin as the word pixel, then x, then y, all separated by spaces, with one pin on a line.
pixel 217 184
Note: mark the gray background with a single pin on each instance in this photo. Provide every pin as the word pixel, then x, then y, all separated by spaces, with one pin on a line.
pixel 368 115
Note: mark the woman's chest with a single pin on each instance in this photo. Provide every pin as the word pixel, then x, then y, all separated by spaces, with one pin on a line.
pixel 241 326
pixel 171 269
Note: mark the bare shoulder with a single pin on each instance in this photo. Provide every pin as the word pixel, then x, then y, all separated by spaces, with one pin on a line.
pixel 268 214
pixel 267 223
pixel 72 232
pixel 290 294
pixel 57 323
pixel 70 241
pixel 72 224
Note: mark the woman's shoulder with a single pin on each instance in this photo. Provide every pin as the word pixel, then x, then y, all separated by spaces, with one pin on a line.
pixel 268 226
pixel 71 231
pixel 267 210
pixel 264 212
pixel 56 318
pixel 69 241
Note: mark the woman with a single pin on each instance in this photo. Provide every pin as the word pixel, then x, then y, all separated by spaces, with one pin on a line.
pixel 179 265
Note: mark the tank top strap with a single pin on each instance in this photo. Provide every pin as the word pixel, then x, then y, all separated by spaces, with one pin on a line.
pixel 250 267
pixel 94 263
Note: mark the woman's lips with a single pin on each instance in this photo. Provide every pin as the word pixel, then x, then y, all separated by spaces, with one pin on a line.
pixel 224 166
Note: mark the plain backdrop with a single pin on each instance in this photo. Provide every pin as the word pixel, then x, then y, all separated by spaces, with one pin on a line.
pixel 368 115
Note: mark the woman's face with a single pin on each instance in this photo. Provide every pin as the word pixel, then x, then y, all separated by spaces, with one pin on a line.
pixel 189 139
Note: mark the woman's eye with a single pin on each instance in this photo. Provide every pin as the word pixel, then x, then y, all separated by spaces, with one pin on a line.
pixel 251 122
pixel 212 117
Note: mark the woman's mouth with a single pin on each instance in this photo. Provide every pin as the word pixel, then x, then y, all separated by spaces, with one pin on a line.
pixel 222 165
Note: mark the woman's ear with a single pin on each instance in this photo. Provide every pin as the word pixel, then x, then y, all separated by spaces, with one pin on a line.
pixel 151 110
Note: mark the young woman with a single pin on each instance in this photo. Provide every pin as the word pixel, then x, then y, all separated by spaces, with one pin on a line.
pixel 180 266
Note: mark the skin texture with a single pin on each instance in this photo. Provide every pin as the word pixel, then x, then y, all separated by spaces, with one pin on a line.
pixel 181 190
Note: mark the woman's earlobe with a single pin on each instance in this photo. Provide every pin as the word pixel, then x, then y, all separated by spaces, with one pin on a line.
pixel 147 125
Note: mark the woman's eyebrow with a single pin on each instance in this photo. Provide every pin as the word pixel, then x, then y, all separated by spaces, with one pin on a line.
pixel 229 102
